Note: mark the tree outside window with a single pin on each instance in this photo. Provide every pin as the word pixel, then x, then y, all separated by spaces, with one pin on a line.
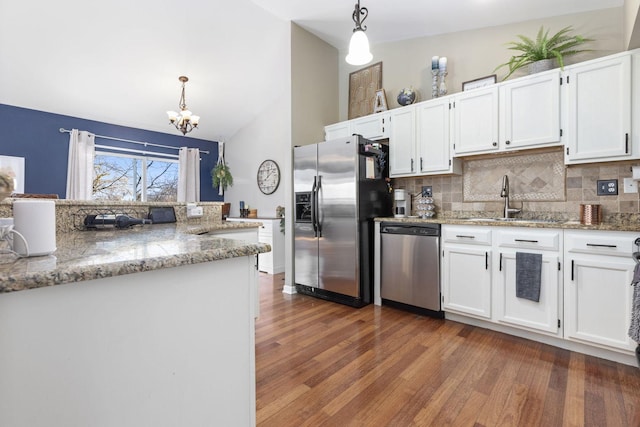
pixel 129 178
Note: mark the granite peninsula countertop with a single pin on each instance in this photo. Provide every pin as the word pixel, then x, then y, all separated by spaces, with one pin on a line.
pixel 87 255
pixel 630 223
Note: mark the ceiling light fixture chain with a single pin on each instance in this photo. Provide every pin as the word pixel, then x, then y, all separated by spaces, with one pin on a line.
pixel 184 121
pixel 356 17
pixel 183 102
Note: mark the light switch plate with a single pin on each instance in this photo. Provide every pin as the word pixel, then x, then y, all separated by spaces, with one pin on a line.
pixel 630 185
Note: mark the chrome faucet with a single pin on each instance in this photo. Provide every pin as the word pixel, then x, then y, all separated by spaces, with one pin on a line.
pixel 505 193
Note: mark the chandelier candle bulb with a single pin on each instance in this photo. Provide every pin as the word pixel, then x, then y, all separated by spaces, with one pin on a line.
pixel 434 62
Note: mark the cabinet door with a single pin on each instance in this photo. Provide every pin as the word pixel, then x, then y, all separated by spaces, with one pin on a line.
pixel 542 315
pixel 337 130
pixel 598 110
pixel 598 300
pixel 434 147
pixel 402 142
pixel 265 235
pixel 371 127
pixel 530 111
pixel 466 280
pixel 476 122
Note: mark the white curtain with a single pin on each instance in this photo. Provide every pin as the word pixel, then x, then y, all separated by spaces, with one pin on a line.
pixel 220 160
pixel 80 165
pixel 189 177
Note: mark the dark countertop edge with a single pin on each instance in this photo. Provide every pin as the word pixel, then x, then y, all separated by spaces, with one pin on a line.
pixel 564 225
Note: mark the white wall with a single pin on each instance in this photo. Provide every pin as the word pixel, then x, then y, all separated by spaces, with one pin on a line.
pixel 267 137
pixel 476 53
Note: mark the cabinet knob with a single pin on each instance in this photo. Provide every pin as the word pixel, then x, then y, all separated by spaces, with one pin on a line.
pixel 507 142
pixel 495 144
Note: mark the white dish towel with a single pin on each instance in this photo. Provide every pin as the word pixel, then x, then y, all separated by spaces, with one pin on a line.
pixel 634 327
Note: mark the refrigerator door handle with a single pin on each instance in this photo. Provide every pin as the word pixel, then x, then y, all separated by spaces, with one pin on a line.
pixel 318 218
pixel 314 219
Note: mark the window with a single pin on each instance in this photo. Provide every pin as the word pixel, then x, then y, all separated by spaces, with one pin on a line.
pixel 129 177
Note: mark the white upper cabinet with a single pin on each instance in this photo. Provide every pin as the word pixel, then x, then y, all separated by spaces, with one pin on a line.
pixel 337 130
pixel 375 126
pixel 402 142
pixel 598 110
pixel 476 121
pixel 433 139
pixel 530 111
pixel 522 113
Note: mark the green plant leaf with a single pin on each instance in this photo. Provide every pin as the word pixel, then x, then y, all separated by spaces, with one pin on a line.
pixel 558 46
pixel 221 176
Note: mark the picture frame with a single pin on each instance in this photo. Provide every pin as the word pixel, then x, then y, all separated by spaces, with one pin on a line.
pixel 13 167
pixel 363 85
pixel 480 82
pixel 380 103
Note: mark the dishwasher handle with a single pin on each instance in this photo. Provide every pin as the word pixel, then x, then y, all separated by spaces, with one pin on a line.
pixel 412 230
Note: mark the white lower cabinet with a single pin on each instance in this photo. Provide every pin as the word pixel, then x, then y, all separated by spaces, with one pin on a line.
pixel 597 291
pixel 585 294
pixel 466 270
pixel 543 315
pixel 269 233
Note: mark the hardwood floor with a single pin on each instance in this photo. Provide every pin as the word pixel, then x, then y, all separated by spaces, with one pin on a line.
pixel 324 364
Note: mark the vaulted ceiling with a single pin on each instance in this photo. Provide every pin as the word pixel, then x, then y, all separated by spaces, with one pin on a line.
pixel 119 61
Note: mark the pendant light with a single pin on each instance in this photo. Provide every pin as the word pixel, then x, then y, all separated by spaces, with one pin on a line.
pixel 184 121
pixel 359 53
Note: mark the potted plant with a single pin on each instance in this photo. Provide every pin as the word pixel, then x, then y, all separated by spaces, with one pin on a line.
pixel 221 176
pixel 544 48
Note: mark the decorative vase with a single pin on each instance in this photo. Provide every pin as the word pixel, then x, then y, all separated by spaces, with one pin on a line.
pixel 542 65
pixel 407 96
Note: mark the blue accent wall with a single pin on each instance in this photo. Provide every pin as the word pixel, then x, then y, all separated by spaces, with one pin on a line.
pixel 35 136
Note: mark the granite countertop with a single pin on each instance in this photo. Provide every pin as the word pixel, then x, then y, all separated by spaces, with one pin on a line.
pixel 87 255
pixel 622 224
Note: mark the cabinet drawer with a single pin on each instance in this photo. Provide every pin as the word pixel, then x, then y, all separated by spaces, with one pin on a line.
pixel 601 243
pixel 529 239
pixel 467 235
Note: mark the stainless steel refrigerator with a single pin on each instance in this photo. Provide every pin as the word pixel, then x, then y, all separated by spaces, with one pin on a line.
pixel 339 188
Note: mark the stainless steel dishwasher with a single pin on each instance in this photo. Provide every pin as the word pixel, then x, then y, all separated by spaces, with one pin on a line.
pixel 410 269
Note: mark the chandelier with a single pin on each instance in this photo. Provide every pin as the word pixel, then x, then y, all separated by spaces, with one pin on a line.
pixel 359 53
pixel 184 121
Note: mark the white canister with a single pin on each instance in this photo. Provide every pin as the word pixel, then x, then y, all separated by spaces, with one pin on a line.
pixel 35 220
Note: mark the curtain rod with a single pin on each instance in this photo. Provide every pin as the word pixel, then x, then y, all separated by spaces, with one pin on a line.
pixel 63 130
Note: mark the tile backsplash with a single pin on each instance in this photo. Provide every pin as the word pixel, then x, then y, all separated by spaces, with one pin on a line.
pixel 540 182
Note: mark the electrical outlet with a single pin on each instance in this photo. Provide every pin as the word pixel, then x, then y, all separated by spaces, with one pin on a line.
pixel 427 191
pixel 194 211
pixel 630 185
pixel 607 187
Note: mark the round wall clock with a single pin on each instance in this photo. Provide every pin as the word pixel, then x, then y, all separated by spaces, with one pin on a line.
pixel 268 176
